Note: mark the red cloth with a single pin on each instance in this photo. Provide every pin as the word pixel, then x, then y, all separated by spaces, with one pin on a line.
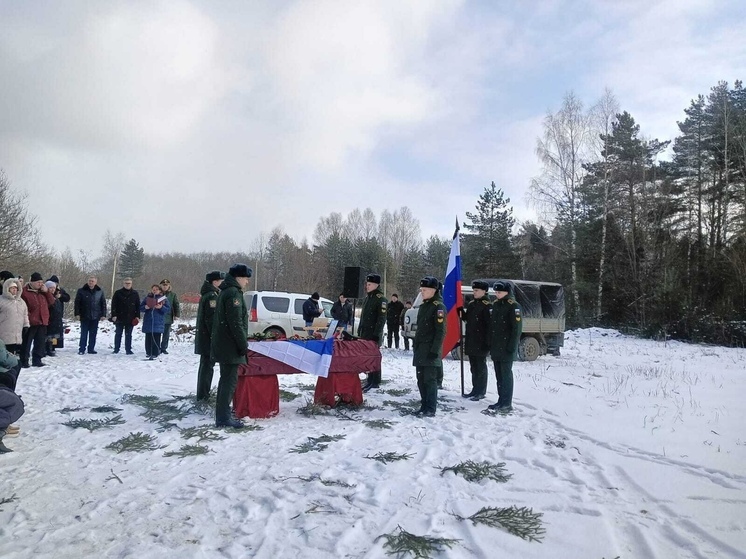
pixel 355 356
pixel 345 385
pixel 257 397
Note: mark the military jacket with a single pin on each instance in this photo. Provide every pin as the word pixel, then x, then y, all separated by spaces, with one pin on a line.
pixel 477 318
pixel 506 329
pixel 173 300
pixel 205 314
pixel 430 333
pixel 373 316
pixel 230 326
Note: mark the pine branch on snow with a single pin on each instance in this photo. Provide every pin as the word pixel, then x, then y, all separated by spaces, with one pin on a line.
pixel 387 457
pixel 379 424
pixel 316 443
pixel 202 434
pixel 477 471
pixel 188 450
pixel 94 424
pixel 134 442
pixel 403 544
pixel 519 521
pixel 105 409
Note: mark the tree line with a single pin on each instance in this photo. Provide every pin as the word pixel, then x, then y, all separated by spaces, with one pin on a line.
pixel 647 235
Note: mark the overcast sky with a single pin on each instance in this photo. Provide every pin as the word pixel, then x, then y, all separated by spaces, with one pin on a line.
pixel 195 126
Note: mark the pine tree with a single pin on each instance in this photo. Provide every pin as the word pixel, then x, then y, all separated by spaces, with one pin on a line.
pixel 131 260
pixel 488 247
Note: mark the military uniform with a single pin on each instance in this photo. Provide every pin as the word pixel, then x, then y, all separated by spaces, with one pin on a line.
pixel 506 328
pixel 372 319
pixel 203 334
pixel 477 344
pixel 428 347
pixel 173 300
pixel 230 331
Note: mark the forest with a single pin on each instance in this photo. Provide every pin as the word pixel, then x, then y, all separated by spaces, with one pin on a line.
pixel 647 235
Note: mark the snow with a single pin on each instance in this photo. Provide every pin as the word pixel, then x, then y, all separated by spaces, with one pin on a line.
pixel 630 448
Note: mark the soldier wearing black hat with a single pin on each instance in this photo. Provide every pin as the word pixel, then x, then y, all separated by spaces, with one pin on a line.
pixel 477 338
pixel 372 319
pixel 228 344
pixel 203 334
pixel 506 328
pixel 428 344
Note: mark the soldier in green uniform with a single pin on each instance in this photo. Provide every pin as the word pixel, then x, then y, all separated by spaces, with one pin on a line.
pixel 428 344
pixel 203 334
pixel 230 331
pixel 477 338
pixel 506 329
pixel 372 319
pixel 171 315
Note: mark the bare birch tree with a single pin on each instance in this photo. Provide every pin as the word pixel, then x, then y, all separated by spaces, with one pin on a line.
pixel 566 145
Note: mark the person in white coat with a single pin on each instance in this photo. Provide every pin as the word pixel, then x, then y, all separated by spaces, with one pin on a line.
pixel 13 315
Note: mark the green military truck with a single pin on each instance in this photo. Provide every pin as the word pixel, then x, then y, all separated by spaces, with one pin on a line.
pixel 543 305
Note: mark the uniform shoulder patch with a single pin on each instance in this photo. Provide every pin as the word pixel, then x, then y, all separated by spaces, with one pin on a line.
pixel 379 295
pixel 518 315
pixel 383 306
pixel 485 302
pixel 236 302
pixel 511 301
pixel 213 303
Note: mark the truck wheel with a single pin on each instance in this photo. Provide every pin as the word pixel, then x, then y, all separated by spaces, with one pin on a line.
pixel 276 332
pixel 528 349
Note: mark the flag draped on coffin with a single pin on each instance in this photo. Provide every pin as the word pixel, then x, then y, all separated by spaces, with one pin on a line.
pixel 313 357
pixel 452 297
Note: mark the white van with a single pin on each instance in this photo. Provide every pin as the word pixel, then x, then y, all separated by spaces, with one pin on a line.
pixel 281 313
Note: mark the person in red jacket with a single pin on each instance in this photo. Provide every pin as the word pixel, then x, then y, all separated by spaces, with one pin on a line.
pixel 38 300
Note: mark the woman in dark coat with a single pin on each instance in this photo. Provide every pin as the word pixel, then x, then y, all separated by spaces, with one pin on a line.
pixel 56 329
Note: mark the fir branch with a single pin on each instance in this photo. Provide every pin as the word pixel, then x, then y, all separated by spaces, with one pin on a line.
pixel 94 424
pixel 6 500
pixel 287 396
pixel 387 457
pixel 379 424
pixel 558 443
pixel 139 400
pixel 519 521
pixel 68 410
pixel 105 409
pixel 310 409
pixel 188 450
pixel 397 391
pixel 477 471
pixel 134 442
pixel 317 477
pixel 421 547
pixel 316 443
pixel 202 433
pixel 306 387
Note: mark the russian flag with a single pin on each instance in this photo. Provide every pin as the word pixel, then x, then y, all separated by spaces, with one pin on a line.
pixel 312 356
pixel 452 297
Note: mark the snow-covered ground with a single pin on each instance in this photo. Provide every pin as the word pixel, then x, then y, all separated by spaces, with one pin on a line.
pixel 629 448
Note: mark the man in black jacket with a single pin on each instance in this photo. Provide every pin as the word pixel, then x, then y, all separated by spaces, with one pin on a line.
pixel 372 319
pixel 505 334
pixel 208 302
pixel 311 310
pixel 393 314
pixel 477 338
pixel 342 312
pixel 125 314
pixel 90 308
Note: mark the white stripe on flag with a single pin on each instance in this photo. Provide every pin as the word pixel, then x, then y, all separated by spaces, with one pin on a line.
pixel 297 356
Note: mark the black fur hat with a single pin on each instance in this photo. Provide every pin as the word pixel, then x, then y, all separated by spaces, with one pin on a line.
pixel 240 271
pixel 373 278
pixel 215 275
pixel 501 286
pixel 430 281
pixel 478 284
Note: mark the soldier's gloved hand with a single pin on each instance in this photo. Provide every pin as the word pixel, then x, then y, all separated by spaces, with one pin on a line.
pixel 432 356
pixel 461 313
